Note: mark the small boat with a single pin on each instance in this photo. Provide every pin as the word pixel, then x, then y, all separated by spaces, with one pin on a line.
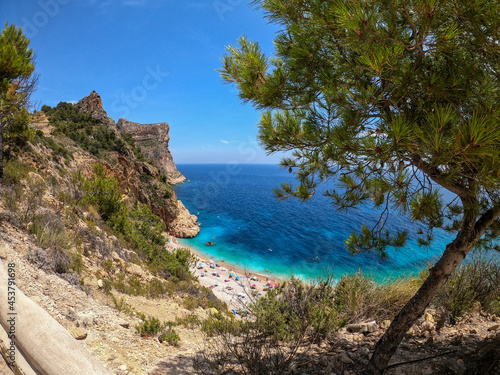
pixel 210 243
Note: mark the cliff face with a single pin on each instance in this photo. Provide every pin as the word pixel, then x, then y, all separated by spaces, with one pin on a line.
pixel 153 141
pixel 141 179
pixel 92 105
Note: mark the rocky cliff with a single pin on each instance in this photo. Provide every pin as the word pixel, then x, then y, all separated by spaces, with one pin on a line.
pixel 153 140
pixel 92 105
pixel 142 179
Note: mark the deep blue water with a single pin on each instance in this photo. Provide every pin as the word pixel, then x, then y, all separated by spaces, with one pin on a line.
pixel 237 210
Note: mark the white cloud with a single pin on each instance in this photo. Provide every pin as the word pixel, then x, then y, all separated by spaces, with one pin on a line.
pixel 224 141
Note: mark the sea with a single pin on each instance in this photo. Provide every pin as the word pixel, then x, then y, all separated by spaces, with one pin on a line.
pixel 251 228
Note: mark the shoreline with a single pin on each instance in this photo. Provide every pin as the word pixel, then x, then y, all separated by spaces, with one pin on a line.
pixel 231 283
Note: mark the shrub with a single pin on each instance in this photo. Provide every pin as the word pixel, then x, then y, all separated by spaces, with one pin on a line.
pixel 170 336
pixel 15 171
pixel 361 298
pixel 104 193
pixel 191 321
pixel 49 231
pixel 83 129
pixel 149 326
pixel 475 282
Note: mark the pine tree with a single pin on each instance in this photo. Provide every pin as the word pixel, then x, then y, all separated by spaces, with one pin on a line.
pixel 395 102
pixel 17 82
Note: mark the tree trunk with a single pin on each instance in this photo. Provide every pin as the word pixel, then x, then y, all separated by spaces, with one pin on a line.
pixel 455 252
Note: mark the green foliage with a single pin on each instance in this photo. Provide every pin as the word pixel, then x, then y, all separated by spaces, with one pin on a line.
pixel 50 232
pixel 57 149
pixel 16 85
pixel 190 321
pixel 153 326
pixel 296 309
pixel 144 230
pixel 85 130
pixel 361 298
pixel 104 193
pixel 169 336
pixel 15 171
pixel 476 282
pixel 391 101
pixel 16 59
pixel 138 226
pixel 150 326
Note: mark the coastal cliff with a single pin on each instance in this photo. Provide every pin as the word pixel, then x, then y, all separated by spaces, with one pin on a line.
pixel 153 141
pixel 144 168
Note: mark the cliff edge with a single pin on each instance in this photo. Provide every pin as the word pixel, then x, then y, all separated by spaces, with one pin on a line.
pixel 153 140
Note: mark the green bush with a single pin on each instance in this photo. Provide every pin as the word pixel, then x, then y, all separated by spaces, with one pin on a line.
pixel 191 321
pixel 50 232
pixel 149 326
pixel 83 129
pixel 15 171
pixel 169 336
pixel 475 282
pixel 104 193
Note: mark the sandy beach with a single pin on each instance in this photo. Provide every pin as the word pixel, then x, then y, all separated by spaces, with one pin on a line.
pixel 234 285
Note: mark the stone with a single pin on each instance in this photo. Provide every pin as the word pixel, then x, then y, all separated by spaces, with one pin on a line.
pixel 494 328
pixel 100 283
pixel 456 366
pixel 185 225
pixel 78 333
pixel 123 368
pixel 428 317
pixel 363 351
pixel 385 324
pixel 427 326
pixel 430 340
pixel 345 359
pixel 362 327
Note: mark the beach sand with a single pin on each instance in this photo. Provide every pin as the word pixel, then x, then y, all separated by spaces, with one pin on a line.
pixel 234 285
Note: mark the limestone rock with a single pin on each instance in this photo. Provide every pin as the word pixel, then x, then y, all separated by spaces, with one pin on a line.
pixel 344 358
pixel 185 225
pixel 100 283
pixel 78 333
pixel 362 327
pixel 428 317
pixel 153 141
pixel 427 326
pixel 495 328
pixel 92 105
pixel 385 324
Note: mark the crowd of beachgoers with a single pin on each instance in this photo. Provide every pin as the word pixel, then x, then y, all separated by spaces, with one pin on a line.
pixel 234 285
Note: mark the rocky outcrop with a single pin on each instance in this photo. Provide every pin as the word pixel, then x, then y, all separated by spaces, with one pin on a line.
pixel 185 224
pixel 141 180
pixel 92 105
pixel 153 140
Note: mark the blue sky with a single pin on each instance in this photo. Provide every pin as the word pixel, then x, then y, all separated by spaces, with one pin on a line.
pixel 151 61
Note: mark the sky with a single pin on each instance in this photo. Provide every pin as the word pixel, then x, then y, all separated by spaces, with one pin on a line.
pixel 150 61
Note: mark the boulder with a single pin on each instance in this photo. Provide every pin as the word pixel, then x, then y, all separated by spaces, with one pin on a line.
pixel 362 327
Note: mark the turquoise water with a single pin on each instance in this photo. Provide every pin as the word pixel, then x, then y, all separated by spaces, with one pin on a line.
pixel 237 211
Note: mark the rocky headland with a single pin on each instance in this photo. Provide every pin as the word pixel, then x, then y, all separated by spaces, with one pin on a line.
pixel 152 140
